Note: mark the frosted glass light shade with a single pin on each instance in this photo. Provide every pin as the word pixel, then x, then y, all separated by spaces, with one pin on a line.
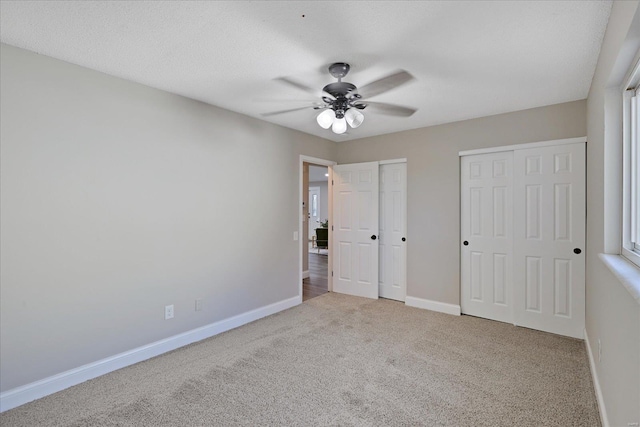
pixel 326 118
pixel 339 126
pixel 354 117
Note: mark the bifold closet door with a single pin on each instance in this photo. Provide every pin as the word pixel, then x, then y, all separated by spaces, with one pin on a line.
pixel 487 236
pixel 549 238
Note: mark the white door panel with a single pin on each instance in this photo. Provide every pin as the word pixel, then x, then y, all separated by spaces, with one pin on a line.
pixel 355 216
pixel 549 224
pixel 486 214
pixel 392 247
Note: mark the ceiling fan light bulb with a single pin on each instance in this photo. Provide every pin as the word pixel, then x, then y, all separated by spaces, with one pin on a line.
pixel 339 126
pixel 326 118
pixel 354 117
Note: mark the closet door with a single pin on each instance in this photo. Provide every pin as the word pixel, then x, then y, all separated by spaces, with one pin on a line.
pixel 393 231
pixel 486 234
pixel 549 243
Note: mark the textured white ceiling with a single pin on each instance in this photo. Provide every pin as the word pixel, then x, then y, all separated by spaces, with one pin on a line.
pixel 470 59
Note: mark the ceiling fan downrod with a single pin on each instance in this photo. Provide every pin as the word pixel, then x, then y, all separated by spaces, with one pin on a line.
pixel 338 111
pixel 340 90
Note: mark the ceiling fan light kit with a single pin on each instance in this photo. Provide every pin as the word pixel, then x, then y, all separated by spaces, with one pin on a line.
pixel 339 126
pixel 354 117
pixel 343 101
pixel 326 118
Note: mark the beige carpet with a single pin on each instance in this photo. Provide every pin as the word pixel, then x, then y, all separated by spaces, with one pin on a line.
pixel 340 360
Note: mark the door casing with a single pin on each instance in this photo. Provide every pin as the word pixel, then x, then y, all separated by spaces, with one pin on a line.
pixel 301 223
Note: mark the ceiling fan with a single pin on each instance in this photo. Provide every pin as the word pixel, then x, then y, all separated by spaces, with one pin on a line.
pixel 342 102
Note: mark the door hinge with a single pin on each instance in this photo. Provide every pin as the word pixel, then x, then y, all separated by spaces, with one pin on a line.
pixel 332 228
pixel 331 182
pixel 331 273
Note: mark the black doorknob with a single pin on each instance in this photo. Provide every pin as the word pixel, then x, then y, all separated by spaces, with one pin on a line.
pixel 465 243
pixel 373 237
pixel 577 251
pixel 404 239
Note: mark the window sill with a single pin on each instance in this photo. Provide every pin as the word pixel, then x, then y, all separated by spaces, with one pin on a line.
pixel 626 272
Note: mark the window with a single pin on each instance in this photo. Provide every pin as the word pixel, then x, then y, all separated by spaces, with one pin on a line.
pixel 631 169
pixel 314 205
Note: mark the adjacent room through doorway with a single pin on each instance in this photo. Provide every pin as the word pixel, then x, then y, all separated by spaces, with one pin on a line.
pixel 316 227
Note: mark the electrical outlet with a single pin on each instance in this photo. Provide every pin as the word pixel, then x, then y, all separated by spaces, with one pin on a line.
pixel 168 312
pixel 199 304
pixel 599 350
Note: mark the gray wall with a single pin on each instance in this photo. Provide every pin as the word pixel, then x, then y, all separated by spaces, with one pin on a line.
pixel 433 182
pixel 118 199
pixel 612 315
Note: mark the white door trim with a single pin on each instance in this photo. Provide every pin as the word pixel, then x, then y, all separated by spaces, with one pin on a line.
pixel 329 164
pixel 523 146
pixel 569 298
pixel 388 162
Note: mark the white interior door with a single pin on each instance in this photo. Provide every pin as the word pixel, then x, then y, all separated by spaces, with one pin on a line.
pixel 393 230
pixel 314 210
pixel 355 229
pixel 486 231
pixel 549 258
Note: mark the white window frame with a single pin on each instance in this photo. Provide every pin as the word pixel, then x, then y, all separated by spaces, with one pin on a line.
pixel 631 167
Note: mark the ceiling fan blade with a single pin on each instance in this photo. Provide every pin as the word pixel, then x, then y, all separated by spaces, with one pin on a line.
pixel 385 84
pixel 273 113
pixel 389 109
pixel 305 101
pixel 292 82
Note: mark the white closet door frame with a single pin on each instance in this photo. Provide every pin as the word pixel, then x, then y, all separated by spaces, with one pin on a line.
pixel 565 298
pixel 403 261
pixel 523 146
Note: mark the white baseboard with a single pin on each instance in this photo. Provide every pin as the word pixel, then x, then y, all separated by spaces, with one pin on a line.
pixel 442 307
pixel 305 274
pixel 596 384
pixel 35 390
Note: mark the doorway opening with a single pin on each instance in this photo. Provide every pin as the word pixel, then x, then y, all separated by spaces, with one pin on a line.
pixel 315 226
pixel 315 277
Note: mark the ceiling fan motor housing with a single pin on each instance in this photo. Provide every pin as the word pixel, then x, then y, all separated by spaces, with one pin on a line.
pixel 339 91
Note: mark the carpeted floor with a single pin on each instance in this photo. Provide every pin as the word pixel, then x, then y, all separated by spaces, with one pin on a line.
pixel 341 360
